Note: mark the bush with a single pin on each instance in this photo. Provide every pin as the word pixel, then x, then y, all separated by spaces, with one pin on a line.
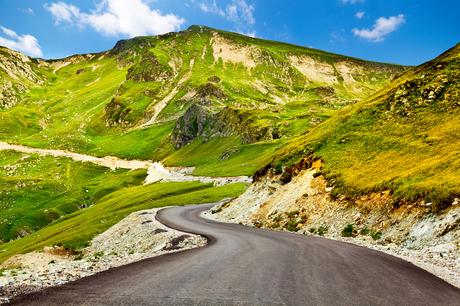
pixel 292 226
pixel 322 230
pixel 347 231
pixel 365 231
pixel 375 235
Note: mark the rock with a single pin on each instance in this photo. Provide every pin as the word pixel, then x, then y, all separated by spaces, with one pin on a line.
pixel 190 125
pixel 149 69
pixel 213 79
pixel 200 121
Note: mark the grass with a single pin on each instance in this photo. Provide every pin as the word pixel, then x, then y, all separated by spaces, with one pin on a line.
pixel 207 156
pixel 35 191
pixel 75 230
pixel 398 139
pixel 71 110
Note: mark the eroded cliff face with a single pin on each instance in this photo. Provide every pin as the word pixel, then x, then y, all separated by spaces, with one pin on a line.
pixel 201 121
pixel 18 72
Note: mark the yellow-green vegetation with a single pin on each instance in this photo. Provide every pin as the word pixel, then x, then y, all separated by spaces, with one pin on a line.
pixel 404 139
pixel 35 191
pixel 224 103
pixel 75 230
pixel 98 103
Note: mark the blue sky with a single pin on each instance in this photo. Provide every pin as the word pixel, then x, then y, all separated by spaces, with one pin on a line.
pixel 399 31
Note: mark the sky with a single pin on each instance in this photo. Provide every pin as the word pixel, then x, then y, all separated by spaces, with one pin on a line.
pixel 407 32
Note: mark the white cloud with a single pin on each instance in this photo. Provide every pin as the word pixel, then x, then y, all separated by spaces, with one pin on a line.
pixel 211 7
pixel 381 28
pixel 62 12
pixel 28 10
pixel 249 33
pixel 117 17
pixel 27 44
pixel 238 11
pixel 351 1
pixel 360 14
pixel 241 11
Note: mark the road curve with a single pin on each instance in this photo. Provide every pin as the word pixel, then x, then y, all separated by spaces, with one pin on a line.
pixel 248 266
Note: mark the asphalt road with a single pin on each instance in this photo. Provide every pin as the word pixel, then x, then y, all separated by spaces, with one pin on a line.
pixel 248 266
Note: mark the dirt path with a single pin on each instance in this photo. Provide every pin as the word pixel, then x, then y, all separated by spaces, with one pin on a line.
pixel 155 170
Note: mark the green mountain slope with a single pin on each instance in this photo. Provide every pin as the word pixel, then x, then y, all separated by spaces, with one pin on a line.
pixel 221 102
pixel 405 138
pixel 229 95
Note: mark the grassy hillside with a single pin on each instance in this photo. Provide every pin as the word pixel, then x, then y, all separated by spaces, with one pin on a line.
pixel 405 138
pixel 35 191
pixel 219 101
pixel 75 230
pixel 251 89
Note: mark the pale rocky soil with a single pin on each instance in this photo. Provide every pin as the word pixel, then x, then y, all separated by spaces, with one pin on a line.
pixel 155 170
pixel 136 237
pixel 412 232
pixel 229 52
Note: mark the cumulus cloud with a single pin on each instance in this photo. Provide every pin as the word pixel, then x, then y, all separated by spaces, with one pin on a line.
pixel 238 11
pixel 63 12
pixel 27 44
pixel 381 28
pixel 360 14
pixel 117 17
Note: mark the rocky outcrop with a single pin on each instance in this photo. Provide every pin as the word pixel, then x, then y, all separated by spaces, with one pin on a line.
pixel 208 92
pixel 149 69
pixel 200 121
pixel 17 73
pixel 115 113
pixel 191 125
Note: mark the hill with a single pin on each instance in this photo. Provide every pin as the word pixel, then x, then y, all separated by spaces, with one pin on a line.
pixel 217 94
pixel 404 138
pixel 221 102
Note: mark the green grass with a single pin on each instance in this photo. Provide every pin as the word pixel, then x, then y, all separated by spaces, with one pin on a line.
pixel 207 157
pixel 75 230
pixel 35 191
pixel 70 111
pixel 397 139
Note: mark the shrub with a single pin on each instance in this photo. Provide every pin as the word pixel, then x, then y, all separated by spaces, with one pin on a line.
pixel 376 235
pixel 365 231
pixel 292 226
pixel 347 231
pixel 322 230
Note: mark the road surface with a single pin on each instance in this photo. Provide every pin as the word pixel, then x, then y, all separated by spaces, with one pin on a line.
pixel 248 266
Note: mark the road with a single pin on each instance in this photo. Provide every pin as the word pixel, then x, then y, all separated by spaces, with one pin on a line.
pixel 248 266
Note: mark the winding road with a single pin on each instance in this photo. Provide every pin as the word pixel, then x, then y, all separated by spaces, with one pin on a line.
pixel 248 266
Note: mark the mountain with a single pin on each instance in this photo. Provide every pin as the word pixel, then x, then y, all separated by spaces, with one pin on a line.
pixel 404 139
pixel 227 105
pixel 172 97
pixel 382 173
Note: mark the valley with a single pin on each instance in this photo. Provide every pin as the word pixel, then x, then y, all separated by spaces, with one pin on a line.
pixel 281 137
